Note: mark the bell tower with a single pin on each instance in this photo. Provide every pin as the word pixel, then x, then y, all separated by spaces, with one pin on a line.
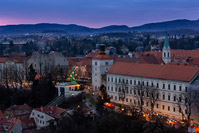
pixel 166 51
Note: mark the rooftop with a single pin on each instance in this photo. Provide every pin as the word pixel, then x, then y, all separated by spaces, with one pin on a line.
pixel 166 72
pixel 53 111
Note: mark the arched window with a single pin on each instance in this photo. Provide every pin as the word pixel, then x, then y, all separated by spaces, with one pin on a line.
pixel 164 54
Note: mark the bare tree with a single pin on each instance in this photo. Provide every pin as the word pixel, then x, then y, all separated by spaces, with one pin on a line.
pixel 152 94
pixel 187 101
pixel 140 95
pixel 122 87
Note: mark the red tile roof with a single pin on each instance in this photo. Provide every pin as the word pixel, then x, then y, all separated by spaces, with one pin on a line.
pixel 18 110
pixel 28 123
pixel 167 72
pixel 14 59
pixel 193 53
pixel 102 57
pixel 145 58
pixel 53 111
pixel 7 122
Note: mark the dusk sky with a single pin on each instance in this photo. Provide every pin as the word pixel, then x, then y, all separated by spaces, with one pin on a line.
pixel 96 13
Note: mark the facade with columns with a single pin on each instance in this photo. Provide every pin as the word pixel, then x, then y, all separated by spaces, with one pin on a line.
pixel 171 82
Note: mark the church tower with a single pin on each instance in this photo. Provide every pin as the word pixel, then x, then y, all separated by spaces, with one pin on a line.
pixel 166 51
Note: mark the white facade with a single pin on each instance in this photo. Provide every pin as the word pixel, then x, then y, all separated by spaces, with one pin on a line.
pixel 166 55
pixel 47 62
pixel 68 89
pixel 99 68
pixel 41 119
pixel 166 51
pixel 12 71
pixel 169 92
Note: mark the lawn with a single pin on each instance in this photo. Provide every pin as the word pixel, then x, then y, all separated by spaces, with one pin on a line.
pixel 91 99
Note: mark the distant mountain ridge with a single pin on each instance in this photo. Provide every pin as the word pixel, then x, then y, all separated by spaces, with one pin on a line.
pixel 169 25
pixel 181 24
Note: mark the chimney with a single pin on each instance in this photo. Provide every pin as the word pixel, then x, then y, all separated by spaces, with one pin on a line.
pixel 42 109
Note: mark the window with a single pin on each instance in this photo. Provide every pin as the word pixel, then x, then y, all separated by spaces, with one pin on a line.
pixel 168 54
pixel 157 95
pixel 108 88
pixel 169 87
pixel 115 97
pixel 157 105
pixel 180 88
pixel 127 81
pixel 96 63
pixel 134 82
pixel 119 81
pixel 163 96
pixel 174 98
pixel 111 88
pixel 157 85
pixel 134 92
pixel 174 87
pixel 127 90
pixel 147 83
pixel 115 89
pixel 185 89
pixel 174 109
pixel 116 80
pixel 168 108
pixel 108 79
pixel 162 107
pixel 169 97
pixel 180 99
pixel 126 99
pixel 111 79
pixel 106 63
pixel 186 100
pixel 130 91
pixel 131 82
pixel 151 84
pixel 138 82
pixel 164 54
pixel 134 102
pixel 163 86
pixel 122 80
pixel 130 100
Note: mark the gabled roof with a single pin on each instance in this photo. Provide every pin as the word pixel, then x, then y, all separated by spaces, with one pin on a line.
pixel 17 110
pixel 166 72
pixel 53 111
pixel 10 122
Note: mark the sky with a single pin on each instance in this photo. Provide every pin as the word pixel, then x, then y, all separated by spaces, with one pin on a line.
pixel 96 13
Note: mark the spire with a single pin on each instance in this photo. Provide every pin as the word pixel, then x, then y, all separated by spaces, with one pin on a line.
pixel 166 42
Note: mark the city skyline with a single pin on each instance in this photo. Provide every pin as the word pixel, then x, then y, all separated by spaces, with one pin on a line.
pixel 96 14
